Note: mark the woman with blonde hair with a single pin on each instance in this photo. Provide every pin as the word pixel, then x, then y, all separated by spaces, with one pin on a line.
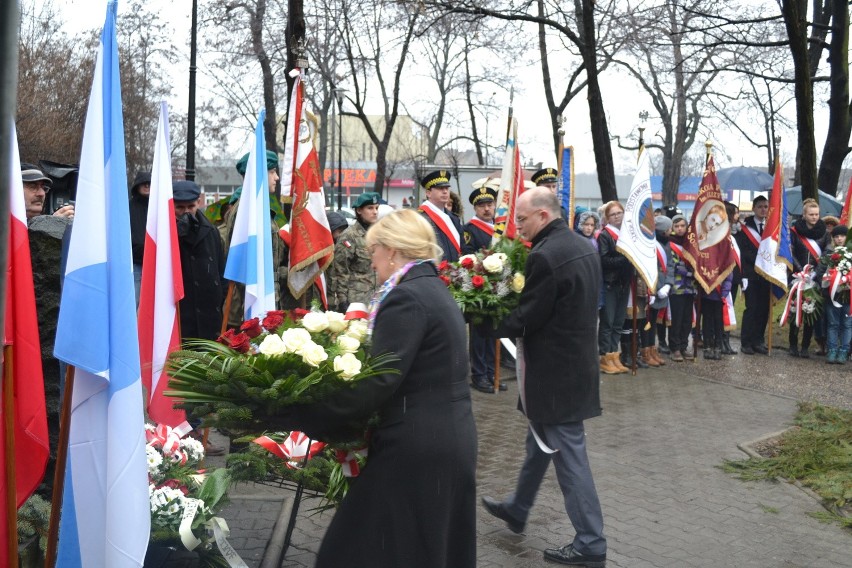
pixel 414 503
pixel 617 272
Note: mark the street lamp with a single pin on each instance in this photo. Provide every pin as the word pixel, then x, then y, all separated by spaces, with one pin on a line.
pixel 339 93
pixel 643 116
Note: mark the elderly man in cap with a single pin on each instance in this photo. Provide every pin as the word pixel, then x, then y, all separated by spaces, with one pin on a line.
pixel 139 193
pixel 352 276
pixel 280 255
pixel 437 211
pixel 477 235
pixel 36 187
pixel 202 264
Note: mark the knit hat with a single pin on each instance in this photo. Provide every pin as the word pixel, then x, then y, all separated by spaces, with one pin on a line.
pixel 336 220
pixel 839 230
pixel 663 224
pixel 677 218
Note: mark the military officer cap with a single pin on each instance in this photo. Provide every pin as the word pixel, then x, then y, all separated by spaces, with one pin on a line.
pixel 546 175
pixel 367 198
pixel 484 194
pixel 439 178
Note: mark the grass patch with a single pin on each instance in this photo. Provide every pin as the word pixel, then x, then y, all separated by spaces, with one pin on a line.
pixel 817 453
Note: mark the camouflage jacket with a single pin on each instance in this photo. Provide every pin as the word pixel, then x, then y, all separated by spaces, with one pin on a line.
pixel 352 278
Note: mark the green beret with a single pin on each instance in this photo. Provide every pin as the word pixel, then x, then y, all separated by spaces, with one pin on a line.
pixel 271 162
pixel 367 198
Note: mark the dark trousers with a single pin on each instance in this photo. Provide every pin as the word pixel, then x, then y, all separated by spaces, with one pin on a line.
pixel 612 317
pixel 649 336
pixel 681 305
pixel 756 314
pixel 575 480
pixel 482 351
pixel 711 314
pixel 807 333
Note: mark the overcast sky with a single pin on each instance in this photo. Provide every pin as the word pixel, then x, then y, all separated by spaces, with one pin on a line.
pixel 623 100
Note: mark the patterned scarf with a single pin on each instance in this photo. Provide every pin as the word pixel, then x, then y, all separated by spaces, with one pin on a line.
pixel 385 289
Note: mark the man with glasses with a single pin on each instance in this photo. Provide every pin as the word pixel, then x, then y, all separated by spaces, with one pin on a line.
pixel 36 187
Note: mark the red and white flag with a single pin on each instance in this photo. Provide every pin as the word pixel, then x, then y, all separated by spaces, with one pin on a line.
pixel 844 214
pixel 21 336
pixel 311 243
pixel 511 186
pixel 162 285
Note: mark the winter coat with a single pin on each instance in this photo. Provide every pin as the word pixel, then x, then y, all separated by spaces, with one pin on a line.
pixel 558 320
pixel 203 266
pixel 684 282
pixel 617 268
pixel 414 503
pixel 801 254
pixel 138 224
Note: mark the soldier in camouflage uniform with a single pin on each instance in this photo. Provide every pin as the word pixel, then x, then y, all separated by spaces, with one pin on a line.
pixel 280 254
pixel 352 276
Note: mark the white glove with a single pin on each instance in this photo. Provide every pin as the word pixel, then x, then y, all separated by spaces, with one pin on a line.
pixel 663 292
pixel 744 285
pixel 652 299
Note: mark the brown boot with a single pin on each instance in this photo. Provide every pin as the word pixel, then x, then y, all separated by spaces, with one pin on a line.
pixel 616 362
pixel 606 366
pixel 656 355
pixel 647 358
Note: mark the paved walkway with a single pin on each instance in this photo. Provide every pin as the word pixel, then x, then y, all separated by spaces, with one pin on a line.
pixel 654 453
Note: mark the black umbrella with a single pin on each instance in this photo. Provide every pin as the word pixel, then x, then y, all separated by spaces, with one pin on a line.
pixel 828 205
pixel 744 179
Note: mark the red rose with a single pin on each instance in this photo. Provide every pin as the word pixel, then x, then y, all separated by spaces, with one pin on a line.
pixel 252 327
pixel 445 280
pixel 467 262
pixel 175 484
pixel 298 314
pixel 227 337
pixel 477 281
pixel 835 257
pixel 273 320
pixel 241 342
pixel 444 265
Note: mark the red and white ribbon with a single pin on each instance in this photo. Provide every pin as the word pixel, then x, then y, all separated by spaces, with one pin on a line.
pixel 835 279
pixel 801 282
pixel 297 448
pixel 356 310
pixel 348 461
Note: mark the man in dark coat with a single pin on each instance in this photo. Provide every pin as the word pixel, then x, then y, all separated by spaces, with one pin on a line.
pixel 436 210
pixel 139 193
pixel 202 265
pixel 477 235
pixel 756 288
pixel 556 323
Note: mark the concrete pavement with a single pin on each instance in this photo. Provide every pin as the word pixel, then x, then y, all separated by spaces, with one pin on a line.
pixel 654 453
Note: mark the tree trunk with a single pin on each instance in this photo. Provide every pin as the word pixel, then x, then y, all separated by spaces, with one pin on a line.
pixel 806 166
pixel 270 124
pixel 597 114
pixel 839 124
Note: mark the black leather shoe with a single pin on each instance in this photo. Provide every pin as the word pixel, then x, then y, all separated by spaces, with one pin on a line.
pixel 804 354
pixel 793 352
pixel 482 386
pixel 746 350
pixel 495 508
pixel 761 349
pixel 503 386
pixel 570 557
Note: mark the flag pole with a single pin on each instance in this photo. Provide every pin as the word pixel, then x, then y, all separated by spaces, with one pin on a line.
pixel 633 337
pixel 511 112
pixel 497 366
pixel 227 309
pixel 9 449
pixel 59 473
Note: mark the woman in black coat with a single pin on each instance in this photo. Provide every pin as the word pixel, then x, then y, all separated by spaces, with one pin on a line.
pixel 413 504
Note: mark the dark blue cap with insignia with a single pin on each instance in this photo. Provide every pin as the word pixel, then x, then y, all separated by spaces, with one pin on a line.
pixel 546 175
pixel 439 178
pixel 482 195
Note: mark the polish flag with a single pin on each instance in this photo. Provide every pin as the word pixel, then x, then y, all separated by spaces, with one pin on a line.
pixel 162 285
pixel 21 343
pixel 311 243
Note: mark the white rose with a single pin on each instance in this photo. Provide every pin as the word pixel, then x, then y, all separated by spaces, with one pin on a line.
pixel 518 282
pixel 348 365
pixel 315 322
pixel 492 264
pixel 272 345
pixel 348 344
pixel 313 354
pixel 357 329
pixel 336 323
pixel 294 339
pixel 502 256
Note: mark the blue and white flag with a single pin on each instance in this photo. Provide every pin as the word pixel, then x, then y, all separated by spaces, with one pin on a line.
pixel 566 184
pixel 106 512
pixel 250 254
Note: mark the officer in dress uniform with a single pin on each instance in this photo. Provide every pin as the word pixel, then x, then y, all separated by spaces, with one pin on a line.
pixel 435 209
pixel 477 235
pixel 549 178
